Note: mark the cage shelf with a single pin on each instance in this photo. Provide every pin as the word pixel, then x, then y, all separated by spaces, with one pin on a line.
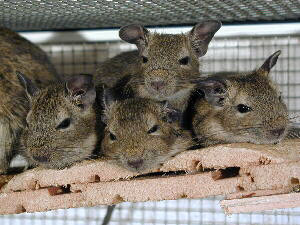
pixel 261 203
pixel 86 14
pixel 235 170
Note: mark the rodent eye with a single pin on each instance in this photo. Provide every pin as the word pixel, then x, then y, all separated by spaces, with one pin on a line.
pixel 64 124
pixel 243 108
pixel 112 137
pixel 153 129
pixel 184 60
pixel 145 59
pixel 81 106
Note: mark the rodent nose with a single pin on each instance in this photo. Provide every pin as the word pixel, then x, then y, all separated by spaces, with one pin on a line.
pixel 157 85
pixel 277 132
pixel 40 158
pixel 136 163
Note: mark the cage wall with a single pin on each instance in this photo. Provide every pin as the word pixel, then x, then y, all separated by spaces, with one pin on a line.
pixel 225 54
pixel 229 53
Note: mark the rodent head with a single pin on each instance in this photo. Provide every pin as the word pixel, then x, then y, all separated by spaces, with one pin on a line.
pixel 243 108
pixel 141 134
pixel 61 122
pixel 169 61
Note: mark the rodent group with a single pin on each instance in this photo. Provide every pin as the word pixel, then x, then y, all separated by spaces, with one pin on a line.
pixel 140 108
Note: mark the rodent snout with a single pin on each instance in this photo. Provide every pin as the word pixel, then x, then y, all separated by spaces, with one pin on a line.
pixel 136 164
pixel 277 132
pixel 158 80
pixel 158 85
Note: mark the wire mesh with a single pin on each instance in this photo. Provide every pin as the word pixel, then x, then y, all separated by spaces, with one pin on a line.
pixel 83 14
pixel 179 212
pixel 231 53
pixel 225 54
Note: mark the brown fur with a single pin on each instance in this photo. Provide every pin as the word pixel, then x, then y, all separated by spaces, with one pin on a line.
pixel 17 54
pixel 58 148
pixel 130 121
pixel 163 52
pixel 225 124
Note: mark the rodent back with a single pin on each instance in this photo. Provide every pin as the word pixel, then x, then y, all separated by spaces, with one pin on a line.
pixel 112 70
pixel 26 57
pixel 18 54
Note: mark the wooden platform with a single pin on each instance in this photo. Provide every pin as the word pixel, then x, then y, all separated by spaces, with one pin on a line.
pixel 247 175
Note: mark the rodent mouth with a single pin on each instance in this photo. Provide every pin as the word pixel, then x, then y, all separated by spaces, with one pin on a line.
pixel 162 93
pixel 269 139
pixel 135 170
pixel 270 142
pixel 42 161
pixel 136 165
pixel 52 160
pixel 276 135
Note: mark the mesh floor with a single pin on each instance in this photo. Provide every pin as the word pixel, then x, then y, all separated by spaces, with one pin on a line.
pixel 231 53
pixel 180 212
pixel 83 14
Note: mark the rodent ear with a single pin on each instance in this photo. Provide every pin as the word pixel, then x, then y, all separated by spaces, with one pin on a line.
pixel 170 113
pixel 269 63
pixel 134 34
pixel 81 88
pixel 201 35
pixel 29 86
pixel 215 91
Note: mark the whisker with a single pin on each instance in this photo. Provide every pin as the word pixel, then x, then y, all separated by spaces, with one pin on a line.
pixel 241 131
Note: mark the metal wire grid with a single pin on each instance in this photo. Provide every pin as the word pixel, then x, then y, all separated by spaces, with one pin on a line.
pixel 225 54
pixel 240 54
pixel 83 14
pixel 180 212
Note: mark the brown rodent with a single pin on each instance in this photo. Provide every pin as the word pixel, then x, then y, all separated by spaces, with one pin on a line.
pixel 163 66
pixel 240 108
pixel 17 54
pixel 140 133
pixel 62 123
